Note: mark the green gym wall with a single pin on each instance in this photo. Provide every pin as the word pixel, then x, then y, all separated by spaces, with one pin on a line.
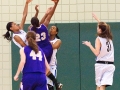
pixel 75 67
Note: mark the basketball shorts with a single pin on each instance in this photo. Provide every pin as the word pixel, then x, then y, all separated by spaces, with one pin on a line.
pixel 104 74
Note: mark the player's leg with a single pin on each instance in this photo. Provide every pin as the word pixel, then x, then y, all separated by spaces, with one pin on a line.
pixel 29 81
pixel 57 84
pixel 41 82
pixel 102 87
pixel 98 75
pixel 97 88
pixel 53 70
pixel 48 54
pixel 107 76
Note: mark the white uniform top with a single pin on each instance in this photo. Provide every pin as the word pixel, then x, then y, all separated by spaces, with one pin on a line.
pixel 106 50
pixel 53 58
pixel 22 35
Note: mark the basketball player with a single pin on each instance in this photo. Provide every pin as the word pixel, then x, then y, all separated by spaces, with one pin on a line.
pixel 18 33
pixel 42 39
pixel 104 50
pixel 56 42
pixel 33 65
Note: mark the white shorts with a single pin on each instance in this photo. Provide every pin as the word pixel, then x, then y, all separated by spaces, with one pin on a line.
pixel 21 86
pixel 104 74
pixel 53 69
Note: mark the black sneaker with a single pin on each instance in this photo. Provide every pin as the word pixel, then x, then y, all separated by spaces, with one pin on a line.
pixel 59 86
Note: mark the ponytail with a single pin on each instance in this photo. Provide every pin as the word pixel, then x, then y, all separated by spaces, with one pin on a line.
pixel 109 33
pixel 57 36
pixel 57 32
pixel 31 37
pixel 7 34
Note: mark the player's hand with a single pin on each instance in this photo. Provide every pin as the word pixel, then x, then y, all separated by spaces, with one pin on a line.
pixel 36 8
pixel 87 43
pixel 93 14
pixel 95 17
pixel 55 1
pixel 16 78
pixel 28 1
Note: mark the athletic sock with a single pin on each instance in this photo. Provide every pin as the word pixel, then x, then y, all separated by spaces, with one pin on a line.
pixel 52 77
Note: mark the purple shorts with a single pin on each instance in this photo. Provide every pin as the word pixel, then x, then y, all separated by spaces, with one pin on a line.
pixel 34 81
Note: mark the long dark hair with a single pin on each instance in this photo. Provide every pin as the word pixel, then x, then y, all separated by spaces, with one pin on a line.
pixel 106 32
pixel 57 30
pixel 31 37
pixel 7 34
pixel 35 23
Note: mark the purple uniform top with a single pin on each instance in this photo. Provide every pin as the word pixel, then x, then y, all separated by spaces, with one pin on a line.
pixel 34 62
pixel 43 42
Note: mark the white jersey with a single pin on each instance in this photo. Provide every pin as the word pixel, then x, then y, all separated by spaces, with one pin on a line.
pixel 106 50
pixel 53 58
pixel 22 35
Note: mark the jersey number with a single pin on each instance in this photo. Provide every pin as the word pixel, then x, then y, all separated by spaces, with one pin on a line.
pixel 108 46
pixel 41 37
pixel 34 56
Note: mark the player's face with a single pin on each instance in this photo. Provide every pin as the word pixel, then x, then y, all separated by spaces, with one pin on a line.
pixel 98 29
pixel 53 30
pixel 14 27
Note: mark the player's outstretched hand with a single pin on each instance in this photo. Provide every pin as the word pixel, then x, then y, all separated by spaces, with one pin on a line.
pixel 36 8
pixel 55 1
pixel 16 78
pixel 93 14
pixel 87 43
pixel 95 17
pixel 28 1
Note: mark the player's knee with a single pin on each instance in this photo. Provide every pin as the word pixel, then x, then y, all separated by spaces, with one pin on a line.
pixel 50 87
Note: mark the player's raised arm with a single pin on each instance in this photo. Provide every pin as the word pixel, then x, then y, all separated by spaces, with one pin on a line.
pixel 45 16
pixel 24 14
pixel 48 18
pixel 36 15
pixel 95 17
pixel 37 10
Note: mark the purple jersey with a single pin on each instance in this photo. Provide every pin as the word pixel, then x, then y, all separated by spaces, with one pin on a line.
pixel 42 39
pixel 42 36
pixel 34 62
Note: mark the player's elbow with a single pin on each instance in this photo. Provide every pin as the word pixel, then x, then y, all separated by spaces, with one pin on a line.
pixel 97 53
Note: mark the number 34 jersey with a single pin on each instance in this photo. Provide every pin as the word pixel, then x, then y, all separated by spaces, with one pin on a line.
pixel 106 50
